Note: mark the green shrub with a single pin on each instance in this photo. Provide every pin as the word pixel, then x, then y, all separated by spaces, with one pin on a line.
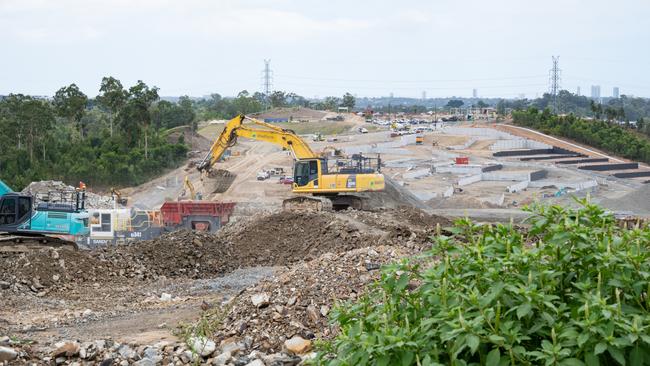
pixel 571 290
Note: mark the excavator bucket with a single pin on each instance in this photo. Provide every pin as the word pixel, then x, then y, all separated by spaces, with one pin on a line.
pixel 218 181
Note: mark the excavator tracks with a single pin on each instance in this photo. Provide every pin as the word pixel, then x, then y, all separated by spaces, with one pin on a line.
pixel 24 243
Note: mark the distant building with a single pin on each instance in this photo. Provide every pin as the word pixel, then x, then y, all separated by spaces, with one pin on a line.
pixel 578 91
pixel 595 91
pixel 615 92
pixel 474 93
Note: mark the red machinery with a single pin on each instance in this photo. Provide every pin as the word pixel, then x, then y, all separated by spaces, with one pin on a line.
pixel 196 215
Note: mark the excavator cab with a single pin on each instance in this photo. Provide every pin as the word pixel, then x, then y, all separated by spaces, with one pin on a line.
pixel 306 171
pixel 15 209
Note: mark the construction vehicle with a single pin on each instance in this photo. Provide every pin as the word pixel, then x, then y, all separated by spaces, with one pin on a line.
pixel 25 224
pixel 117 197
pixel 419 139
pixel 339 184
pixel 196 215
pixel 189 188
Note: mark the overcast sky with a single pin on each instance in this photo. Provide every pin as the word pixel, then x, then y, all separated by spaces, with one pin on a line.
pixel 326 47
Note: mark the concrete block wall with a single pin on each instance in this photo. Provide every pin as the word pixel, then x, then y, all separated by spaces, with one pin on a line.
pixel 483 132
pixel 518 186
pixel 577 185
pixel 470 179
pixel 459 169
pixel 416 174
pixel 518 144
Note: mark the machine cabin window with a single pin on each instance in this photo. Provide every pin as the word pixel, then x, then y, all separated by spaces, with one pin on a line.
pixel 8 211
pixel 24 207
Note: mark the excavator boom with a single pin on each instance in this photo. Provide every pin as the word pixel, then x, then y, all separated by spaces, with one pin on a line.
pixel 273 134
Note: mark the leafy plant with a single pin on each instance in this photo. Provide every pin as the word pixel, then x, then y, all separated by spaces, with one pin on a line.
pixel 571 290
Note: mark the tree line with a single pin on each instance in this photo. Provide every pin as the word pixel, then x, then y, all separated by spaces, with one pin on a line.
pixel 114 138
pixel 219 107
pixel 609 136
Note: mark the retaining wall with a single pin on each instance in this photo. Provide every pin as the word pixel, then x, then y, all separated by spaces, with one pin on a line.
pixel 518 186
pixel 554 150
pixel 580 161
pixel 518 144
pixel 578 186
pixel 470 179
pixel 491 168
pixel 416 174
pixel 459 169
pixel 551 157
pixel 606 167
pixel 632 174
pixel 484 132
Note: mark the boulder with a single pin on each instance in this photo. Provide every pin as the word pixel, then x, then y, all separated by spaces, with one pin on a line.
pixel 7 354
pixel 260 300
pixel 297 345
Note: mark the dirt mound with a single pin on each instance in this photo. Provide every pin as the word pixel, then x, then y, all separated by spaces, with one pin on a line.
pixel 637 201
pixel 287 237
pixel 292 113
pixel 297 301
pixel 277 239
pixel 43 270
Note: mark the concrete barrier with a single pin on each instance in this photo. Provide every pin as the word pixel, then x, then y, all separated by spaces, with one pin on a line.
pixel 606 167
pixel 632 174
pixel 470 179
pixel 416 174
pixel 518 186
pixel 459 169
pixel 578 186
pixel 580 161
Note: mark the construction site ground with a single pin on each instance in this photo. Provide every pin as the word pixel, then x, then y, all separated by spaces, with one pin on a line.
pixel 144 292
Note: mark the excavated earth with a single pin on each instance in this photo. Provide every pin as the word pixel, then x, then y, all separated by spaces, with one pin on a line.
pixel 317 258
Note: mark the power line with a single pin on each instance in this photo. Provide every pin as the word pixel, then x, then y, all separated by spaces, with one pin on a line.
pixel 411 81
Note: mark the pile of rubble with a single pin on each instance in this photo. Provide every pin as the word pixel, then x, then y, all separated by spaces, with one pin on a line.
pixel 198 350
pixel 278 239
pixel 295 304
pixel 43 188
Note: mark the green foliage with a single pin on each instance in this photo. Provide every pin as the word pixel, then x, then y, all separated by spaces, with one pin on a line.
pixel 70 103
pixel 35 145
pixel 455 103
pixel 348 101
pixel 610 137
pixel 572 290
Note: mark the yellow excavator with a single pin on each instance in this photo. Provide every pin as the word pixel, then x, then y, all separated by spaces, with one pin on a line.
pixel 318 182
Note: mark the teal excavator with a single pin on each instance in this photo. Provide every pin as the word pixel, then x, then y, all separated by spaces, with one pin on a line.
pixel 25 224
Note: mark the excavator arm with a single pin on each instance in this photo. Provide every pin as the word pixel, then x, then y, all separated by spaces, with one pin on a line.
pixel 235 128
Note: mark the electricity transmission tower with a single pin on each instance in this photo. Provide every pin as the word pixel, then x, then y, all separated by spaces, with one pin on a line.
pixel 554 81
pixel 267 78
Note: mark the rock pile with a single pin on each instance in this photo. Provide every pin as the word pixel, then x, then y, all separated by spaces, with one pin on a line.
pixel 296 303
pixel 40 188
pixel 197 350
pixel 277 239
